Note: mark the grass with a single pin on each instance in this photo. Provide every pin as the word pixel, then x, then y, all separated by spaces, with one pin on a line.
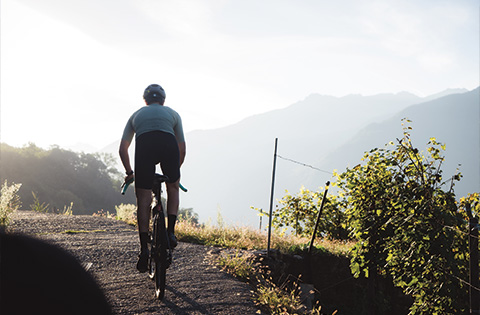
pixel 247 238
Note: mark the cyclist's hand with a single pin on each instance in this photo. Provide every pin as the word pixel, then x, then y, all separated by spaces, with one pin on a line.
pixel 128 177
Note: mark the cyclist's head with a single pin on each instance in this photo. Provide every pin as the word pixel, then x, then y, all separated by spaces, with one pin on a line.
pixel 154 93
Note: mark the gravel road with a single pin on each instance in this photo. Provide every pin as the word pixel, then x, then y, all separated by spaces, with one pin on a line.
pixel 109 249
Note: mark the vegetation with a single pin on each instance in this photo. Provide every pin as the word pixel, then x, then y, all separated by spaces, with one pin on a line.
pixel 403 216
pixel 246 238
pixel 9 202
pixel 37 205
pixel 127 213
pixel 59 177
pixel 407 225
pixel 283 301
pixel 306 205
pixel 276 299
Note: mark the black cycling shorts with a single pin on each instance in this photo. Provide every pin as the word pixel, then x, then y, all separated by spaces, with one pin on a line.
pixel 152 148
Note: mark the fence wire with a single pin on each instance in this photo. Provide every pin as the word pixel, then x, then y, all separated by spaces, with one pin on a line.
pixel 303 164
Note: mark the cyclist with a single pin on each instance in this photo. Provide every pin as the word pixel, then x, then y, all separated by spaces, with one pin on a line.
pixel 159 139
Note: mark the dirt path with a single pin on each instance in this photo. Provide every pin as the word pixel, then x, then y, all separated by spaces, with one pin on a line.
pixel 109 249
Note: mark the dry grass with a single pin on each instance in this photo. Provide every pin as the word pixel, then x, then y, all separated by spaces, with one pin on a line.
pixel 247 238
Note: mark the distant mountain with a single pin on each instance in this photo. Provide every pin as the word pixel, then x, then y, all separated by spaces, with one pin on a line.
pixel 453 120
pixel 230 169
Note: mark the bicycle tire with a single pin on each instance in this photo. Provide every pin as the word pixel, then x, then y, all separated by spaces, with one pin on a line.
pixel 160 258
pixel 151 262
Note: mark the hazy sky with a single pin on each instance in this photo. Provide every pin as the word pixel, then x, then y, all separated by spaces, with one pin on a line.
pixel 73 71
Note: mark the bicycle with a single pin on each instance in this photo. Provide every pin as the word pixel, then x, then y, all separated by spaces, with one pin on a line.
pixel 160 251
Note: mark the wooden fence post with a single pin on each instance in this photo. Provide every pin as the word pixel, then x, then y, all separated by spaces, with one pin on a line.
pixel 318 218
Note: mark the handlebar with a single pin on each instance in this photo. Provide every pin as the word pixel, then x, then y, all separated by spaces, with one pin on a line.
pixel 182 188
pixel 125 185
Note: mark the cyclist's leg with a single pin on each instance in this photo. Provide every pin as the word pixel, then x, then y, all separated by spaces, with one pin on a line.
pixel 170 164
pixel 144 174
pixel 173 200
pixel 144 200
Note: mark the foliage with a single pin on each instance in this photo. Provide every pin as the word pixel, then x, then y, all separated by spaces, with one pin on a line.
pixel 127 213
pixel 474 201
pixel 9 202
pixel 59 177
pixel 299 212
pixel 37 206
pixel 407 225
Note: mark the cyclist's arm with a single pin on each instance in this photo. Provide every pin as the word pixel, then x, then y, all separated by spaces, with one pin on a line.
pixel 183 151
pixel 123 151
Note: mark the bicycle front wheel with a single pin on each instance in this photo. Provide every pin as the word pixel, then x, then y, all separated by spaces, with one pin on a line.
pixel 160 257
pixel 160 276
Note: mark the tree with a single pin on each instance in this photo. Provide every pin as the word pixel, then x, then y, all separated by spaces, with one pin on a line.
pixel 59 177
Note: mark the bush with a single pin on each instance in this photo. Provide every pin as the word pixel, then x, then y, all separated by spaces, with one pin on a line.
pixel 127 213
pixel 9 202
pixel 406 221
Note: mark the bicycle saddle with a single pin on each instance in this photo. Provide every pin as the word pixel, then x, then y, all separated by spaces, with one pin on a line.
pixel 161 178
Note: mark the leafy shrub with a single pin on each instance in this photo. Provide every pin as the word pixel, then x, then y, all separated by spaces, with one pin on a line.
pixel 9 201
pixel 300 212
pixel 408 225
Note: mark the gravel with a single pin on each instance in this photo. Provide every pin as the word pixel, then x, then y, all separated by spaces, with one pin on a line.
pixel 108 249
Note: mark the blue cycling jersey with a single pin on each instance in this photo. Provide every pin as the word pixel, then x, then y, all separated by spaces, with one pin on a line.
pixel 154 117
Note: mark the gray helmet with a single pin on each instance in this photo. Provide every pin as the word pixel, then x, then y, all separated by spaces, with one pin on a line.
pixel 154 93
